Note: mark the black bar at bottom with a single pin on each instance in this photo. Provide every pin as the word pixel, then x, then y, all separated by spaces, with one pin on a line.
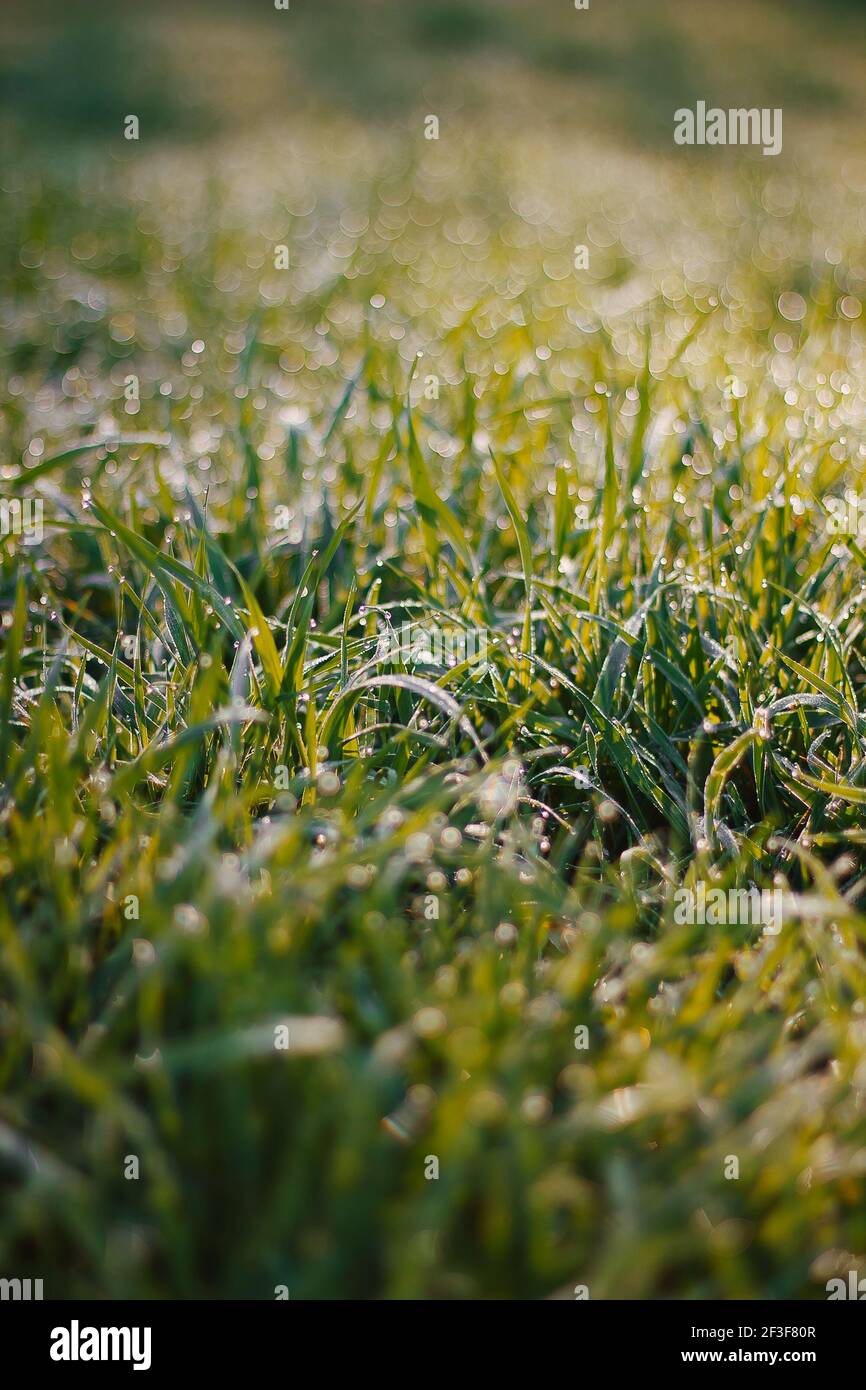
pixel 227 1339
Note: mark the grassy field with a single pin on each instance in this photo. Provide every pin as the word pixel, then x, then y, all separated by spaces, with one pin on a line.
pixel 331 961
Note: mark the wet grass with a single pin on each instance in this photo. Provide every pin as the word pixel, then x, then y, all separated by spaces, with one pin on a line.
pixel 227 811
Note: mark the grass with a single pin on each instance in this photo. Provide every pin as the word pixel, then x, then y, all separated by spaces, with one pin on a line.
pixel 224 812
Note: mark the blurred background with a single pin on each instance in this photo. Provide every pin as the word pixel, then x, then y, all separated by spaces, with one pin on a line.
pixel 194 68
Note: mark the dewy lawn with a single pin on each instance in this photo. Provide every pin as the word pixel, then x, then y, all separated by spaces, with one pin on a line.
pixel 432 580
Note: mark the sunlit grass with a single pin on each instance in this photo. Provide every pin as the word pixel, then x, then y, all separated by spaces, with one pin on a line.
pixel 222 809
